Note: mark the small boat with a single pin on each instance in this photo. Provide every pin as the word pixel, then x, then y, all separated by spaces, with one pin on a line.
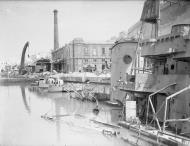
pixel 55 85
pixel 42 83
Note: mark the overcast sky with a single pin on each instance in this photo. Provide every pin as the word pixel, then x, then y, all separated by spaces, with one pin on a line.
pixel 22 21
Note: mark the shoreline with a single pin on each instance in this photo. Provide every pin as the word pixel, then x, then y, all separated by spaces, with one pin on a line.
pixel 16 80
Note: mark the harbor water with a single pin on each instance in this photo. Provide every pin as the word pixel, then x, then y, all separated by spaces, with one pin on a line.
pixel 33 116
pixel 21 123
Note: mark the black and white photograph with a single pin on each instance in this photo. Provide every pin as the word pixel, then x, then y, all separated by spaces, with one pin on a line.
pixel 94 73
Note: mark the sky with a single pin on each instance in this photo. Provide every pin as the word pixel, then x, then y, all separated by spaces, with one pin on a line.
pixel 32 21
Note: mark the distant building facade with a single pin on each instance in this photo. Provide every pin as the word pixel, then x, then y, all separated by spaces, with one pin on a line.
pixel 80 56
pixel 58 59
pixel 41 65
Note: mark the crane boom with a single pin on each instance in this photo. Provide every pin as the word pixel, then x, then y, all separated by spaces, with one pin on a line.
pixel 23 57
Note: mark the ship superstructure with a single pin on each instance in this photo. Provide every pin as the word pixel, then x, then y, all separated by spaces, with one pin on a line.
pixel 160 78
pixel 167 67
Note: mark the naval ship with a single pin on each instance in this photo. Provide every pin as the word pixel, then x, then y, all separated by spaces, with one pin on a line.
pixel 151 75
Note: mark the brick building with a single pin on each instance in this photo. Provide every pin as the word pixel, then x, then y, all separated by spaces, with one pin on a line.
pixel 80 56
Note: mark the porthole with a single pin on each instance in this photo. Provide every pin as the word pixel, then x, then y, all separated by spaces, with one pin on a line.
pixel 127 59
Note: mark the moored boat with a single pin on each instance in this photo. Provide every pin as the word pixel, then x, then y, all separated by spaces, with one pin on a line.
pixel 55 85
pixel 43 83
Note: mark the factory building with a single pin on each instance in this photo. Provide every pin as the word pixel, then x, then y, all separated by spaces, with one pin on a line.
pixel 80 56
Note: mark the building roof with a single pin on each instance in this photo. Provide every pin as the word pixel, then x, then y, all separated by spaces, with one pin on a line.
pixel 43 60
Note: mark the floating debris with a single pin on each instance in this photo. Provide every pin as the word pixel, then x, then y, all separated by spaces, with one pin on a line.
pixel 111 133
pixel 47 117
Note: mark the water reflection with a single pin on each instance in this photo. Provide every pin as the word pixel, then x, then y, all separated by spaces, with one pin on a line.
pixel 57 111
pixel 27 107
pixel 63 104
pixel 24 125
pixel 21 123
pixel 80 113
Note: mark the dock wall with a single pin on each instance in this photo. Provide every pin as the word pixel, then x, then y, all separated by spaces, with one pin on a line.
pixel 83 77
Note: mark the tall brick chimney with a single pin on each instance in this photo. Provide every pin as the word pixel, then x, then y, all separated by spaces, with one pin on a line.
pixel 56 38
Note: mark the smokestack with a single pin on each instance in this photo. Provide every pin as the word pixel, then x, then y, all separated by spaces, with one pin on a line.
pixel 56 39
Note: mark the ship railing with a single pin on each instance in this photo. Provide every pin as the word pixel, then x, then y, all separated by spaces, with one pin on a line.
pixel 165 110
pixel 152 107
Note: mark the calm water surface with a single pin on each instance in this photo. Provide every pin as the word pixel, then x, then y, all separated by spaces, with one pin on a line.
pixel 21 108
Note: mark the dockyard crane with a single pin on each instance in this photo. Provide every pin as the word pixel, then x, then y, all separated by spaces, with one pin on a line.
pixel 22 62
